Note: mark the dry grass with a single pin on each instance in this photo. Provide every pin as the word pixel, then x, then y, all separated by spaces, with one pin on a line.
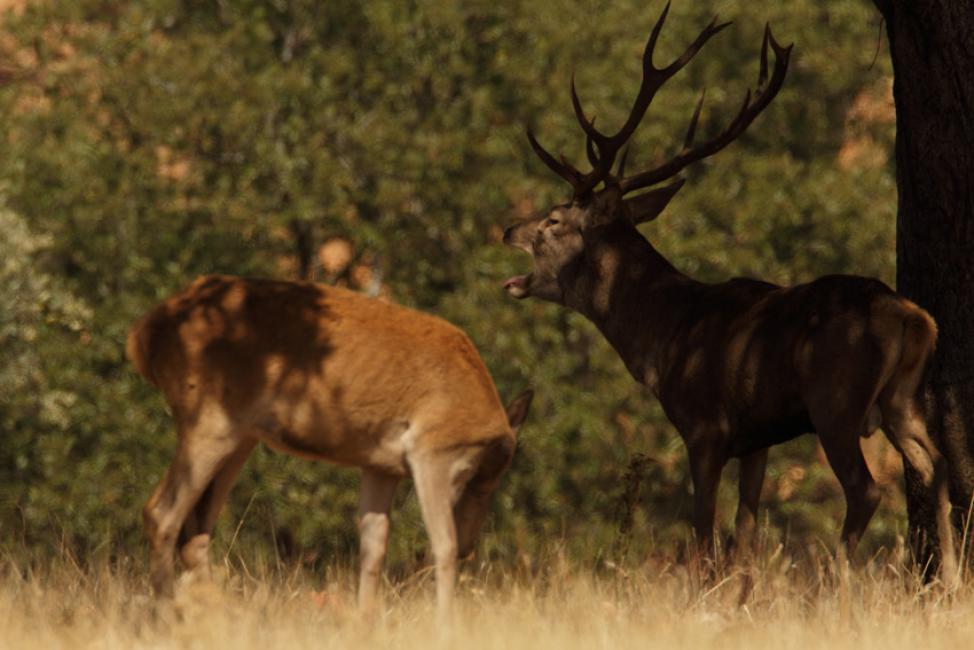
pixel 800 604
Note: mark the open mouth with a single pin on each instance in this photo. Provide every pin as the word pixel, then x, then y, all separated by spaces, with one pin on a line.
pixel 518 285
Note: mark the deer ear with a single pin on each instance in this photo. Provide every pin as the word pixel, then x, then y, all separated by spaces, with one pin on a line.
pixel 648 205
pixel 517 410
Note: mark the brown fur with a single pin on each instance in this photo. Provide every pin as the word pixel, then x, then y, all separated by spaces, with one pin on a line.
pixel 322 373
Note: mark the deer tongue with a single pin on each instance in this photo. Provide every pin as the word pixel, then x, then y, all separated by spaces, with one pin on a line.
pixel 517 286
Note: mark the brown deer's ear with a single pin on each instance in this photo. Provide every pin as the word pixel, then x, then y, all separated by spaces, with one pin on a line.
pixel 517 410
pixel 648 205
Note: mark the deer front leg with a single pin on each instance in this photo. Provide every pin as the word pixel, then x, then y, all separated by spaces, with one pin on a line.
pixel 199 457
pixel 753 467
pixel 194 538
pixel 433 475
pixel 373 525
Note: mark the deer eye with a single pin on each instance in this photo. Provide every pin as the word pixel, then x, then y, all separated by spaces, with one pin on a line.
pixel 551 221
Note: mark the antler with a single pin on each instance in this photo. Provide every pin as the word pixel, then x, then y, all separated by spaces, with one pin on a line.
pixel 748 111
pixel 601 149
pixel 608 146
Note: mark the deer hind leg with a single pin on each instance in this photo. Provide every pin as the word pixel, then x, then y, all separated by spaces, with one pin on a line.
pixel 373 524
pixel 862 495
pixel 753 467
pixel 198 459
pixel 906 429
pixel 840 408
pixel 904 425
pixel 194 537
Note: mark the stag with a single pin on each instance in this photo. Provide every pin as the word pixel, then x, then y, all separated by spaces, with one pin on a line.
pixel 321 373
pixel 745 364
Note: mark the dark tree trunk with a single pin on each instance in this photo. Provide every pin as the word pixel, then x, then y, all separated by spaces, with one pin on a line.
pixel 932 46
pixel 303 247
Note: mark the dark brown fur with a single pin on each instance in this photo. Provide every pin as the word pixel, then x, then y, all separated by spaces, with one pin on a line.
pixel 743 365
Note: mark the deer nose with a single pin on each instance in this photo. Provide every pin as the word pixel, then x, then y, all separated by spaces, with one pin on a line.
pixel 507 234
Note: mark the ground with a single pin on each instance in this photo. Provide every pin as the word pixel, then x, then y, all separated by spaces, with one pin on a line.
pixel 779 602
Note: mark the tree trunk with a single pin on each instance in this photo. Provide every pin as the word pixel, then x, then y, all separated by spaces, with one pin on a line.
pixel 303 247
pixel 933 62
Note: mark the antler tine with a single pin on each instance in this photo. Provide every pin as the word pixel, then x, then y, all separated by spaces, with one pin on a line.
pixel 587 125
pixel 593 157
pixel 622 162
pixel 746 115
pixel 563 169
pixel 653 36
pixel 653 79
pixel 692 50
pixel 763 74
pixel 692 129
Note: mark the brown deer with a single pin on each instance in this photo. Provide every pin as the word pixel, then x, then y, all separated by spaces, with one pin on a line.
pixel 321 373
pixel 745 364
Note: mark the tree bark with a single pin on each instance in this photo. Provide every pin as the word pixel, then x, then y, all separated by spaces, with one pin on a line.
pixel 302 232
pixel 933 62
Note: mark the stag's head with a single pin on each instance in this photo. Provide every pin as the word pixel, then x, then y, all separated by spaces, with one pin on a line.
pixel 603 200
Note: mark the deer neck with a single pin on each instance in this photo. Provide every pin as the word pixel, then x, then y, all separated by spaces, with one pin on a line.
pixel 632 294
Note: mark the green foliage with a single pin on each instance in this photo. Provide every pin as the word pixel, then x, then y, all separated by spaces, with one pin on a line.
pixel 152 141
pixel 40 323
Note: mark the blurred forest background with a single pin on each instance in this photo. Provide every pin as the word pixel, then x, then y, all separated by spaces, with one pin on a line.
pixel 379 144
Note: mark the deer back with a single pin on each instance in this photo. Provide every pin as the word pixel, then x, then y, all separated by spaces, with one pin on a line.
pixel 319 371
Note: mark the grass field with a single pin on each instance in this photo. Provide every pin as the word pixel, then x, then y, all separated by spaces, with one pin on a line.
pixel 779 602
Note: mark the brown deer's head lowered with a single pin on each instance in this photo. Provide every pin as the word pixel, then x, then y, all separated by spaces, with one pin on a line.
pixel 557 239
